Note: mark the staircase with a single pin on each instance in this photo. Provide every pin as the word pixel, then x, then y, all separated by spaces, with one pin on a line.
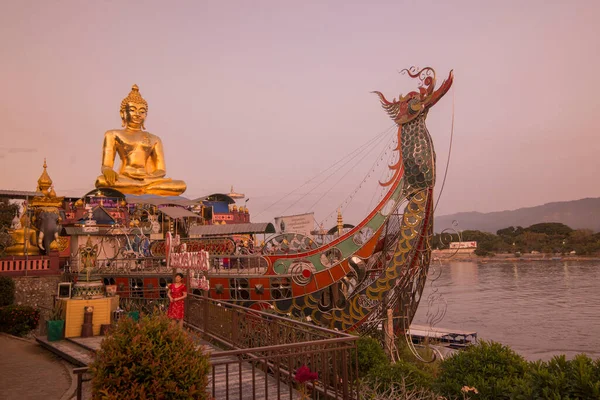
pixel 77 351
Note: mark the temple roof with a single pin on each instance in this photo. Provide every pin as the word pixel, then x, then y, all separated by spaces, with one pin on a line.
pixel 156 200
pixel 105 192
pixel 19 194
pixel 220 197
pixel 231 229
pixel 101 216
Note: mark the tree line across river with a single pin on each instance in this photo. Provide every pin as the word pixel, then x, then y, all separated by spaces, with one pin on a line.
pixel 547 237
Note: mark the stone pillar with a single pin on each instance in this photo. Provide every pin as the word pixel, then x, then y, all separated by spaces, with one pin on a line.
pixel 388 329
pixel 54 261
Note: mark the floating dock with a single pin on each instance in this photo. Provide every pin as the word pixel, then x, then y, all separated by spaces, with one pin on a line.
pixel 453 337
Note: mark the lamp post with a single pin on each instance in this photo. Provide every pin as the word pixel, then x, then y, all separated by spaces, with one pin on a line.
pixel 27 223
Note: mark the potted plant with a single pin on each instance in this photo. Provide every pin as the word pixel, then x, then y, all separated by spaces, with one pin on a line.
pixel 129 309
pixel 56 322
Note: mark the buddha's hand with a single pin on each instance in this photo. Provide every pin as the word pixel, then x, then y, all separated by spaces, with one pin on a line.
pixel 110 176
pixel 135 173
pixel 159 173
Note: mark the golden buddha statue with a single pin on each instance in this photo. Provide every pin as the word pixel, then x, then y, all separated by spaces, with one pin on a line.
pixel 24 237
pixel 142 158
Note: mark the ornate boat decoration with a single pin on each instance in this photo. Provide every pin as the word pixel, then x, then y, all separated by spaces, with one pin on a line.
pixel 381 263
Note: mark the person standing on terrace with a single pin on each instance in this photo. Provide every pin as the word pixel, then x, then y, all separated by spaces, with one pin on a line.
pixel 177 293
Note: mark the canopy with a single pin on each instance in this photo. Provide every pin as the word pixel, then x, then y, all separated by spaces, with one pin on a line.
pixel 177 212
pixel 156 200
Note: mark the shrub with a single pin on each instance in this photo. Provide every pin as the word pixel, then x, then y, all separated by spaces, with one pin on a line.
pixel 57 312
pixel 561 379
pixel 430 365
pixel 18 320
pixel 370 355
pixel 491 368
pixel 149 359
pixel 399 375
pixel 7 291
pixel 377 391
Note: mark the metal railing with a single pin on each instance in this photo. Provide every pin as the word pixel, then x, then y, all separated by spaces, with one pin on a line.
pixel 275 347
pixel 218 265
pixel 262 353
pixel 80 372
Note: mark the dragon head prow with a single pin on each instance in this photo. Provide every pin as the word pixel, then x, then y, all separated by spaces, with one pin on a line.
pixel 409 107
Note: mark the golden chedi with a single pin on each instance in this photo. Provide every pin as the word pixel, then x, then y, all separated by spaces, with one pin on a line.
pixel 48 197
pixel 141 153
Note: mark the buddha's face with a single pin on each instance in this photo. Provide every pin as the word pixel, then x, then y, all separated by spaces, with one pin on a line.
pixel 136 114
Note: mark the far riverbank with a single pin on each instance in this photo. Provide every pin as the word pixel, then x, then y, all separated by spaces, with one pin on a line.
pixel 451 255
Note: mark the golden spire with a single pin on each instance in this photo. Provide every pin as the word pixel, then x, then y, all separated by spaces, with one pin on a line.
pixel 340 222
pixel 44 182
pixel 235 195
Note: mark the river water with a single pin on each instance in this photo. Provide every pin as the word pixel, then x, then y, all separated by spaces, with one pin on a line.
pixel 539 309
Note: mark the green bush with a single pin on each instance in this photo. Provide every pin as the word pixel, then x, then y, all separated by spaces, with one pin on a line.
pixel 431 364
pixel 560 378
pixel 399 375
pixel 149 359
pixel 370 355
pixel 18 320
pixel 398 391
pixel 491 368
pixel 7 291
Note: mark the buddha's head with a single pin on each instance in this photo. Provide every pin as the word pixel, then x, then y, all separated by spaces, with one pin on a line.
pixel 134 109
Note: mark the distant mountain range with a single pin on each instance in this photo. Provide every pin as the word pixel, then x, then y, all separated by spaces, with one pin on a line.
pixel 578 214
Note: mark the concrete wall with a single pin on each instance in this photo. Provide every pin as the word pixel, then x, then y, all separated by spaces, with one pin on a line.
pixel 38 292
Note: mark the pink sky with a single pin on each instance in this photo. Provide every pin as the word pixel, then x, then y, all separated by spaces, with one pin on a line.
pixel 264 94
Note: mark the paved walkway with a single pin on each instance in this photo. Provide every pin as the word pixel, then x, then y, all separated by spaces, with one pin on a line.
pixel 28 372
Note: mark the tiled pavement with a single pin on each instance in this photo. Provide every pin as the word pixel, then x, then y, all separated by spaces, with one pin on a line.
pixel 28 372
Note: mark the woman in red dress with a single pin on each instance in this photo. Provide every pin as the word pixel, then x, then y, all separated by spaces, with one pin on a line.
pixel 177 294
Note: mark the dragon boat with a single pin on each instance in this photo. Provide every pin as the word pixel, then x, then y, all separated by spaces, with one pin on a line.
pixel 381 263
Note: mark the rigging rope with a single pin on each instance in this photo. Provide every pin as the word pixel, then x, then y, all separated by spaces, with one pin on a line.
pixel 371 170
pixel 343 176
pixel 347 156
pixel 381 190
pixel 449 152
pixel 350 197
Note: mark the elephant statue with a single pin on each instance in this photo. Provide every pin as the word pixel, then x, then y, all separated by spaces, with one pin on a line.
pixel 48 225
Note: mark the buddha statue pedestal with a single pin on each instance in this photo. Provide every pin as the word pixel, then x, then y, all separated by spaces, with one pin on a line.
pixel 92 289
